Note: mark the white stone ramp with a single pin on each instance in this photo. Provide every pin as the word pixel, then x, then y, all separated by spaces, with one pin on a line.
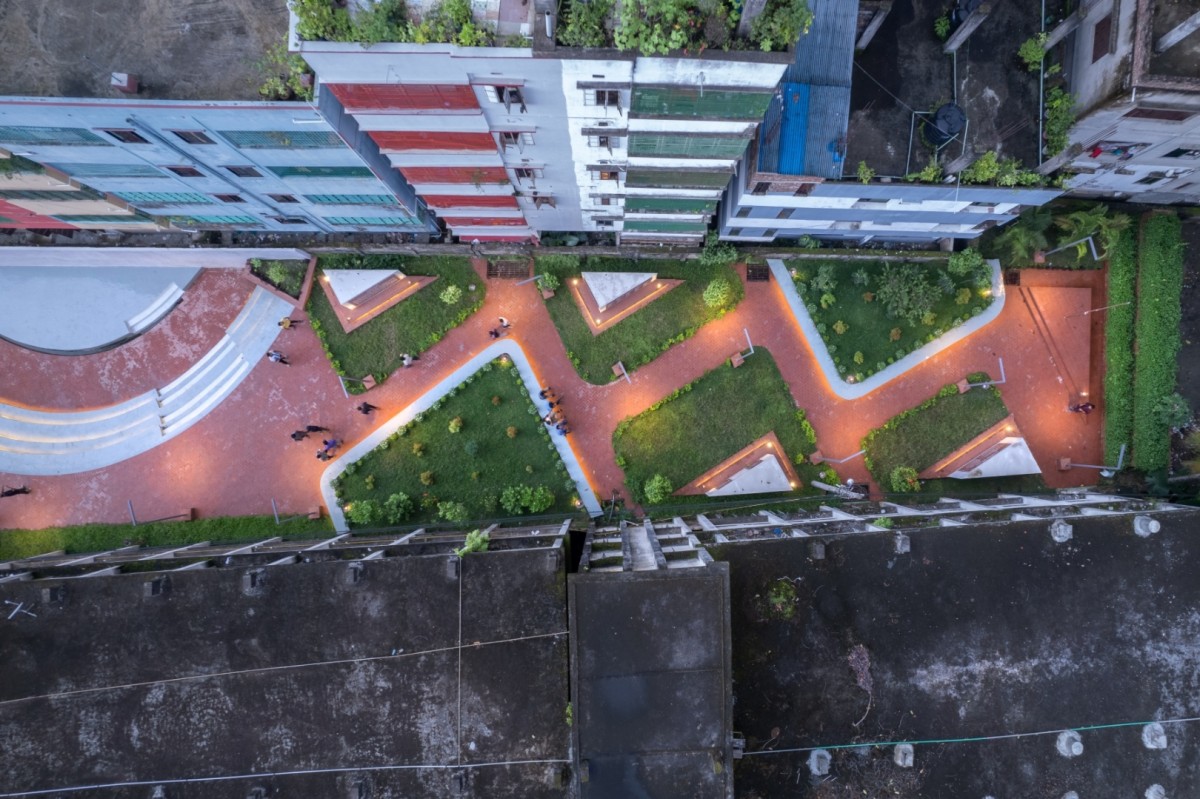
pixel 1014 459
pixel 608 287
pixel 765 477
pixel 350 283
pixel 641 550
pixel 34 442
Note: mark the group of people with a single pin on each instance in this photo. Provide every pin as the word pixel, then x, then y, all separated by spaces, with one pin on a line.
pixel 328 445
pixel 497 332
pixel 556 417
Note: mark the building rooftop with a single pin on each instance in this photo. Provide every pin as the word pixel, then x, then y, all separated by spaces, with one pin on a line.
pixel 650 670
pixel 184 50
pixel 904 70
pixel 1181 59
pixel 976 632
pixel 342 676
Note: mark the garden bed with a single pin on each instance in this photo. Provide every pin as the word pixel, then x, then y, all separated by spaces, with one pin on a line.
pixel 412 326
pixel 641 337
pixel 499 442
pixel 849 304
pixel 707 421
pixel 921 436
pixel 103 537
pixel 287 275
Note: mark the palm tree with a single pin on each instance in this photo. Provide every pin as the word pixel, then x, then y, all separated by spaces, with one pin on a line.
pixel 1082 223
pixel 1020 242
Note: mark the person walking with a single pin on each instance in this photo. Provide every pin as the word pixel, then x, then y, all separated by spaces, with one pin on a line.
pixel 546 392
pixel 366 408
pixel 322 455
pixel 316 428
pixel 407 359
pixel 504 323
pixel 493 333
pixel 275 356
pixel 299 435
pixel 287 322
pixel 331 444
pixel 12 492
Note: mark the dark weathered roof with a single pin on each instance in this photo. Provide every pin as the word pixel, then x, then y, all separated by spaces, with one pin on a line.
pixel 650 676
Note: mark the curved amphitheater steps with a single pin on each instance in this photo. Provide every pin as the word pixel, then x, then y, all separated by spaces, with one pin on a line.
pixel 34 442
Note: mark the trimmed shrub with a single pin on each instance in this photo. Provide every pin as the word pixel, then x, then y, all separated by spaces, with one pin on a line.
pixel 718 293
pixel 456 424
pixel 511 432
pixel 1118 344
pixel 363 512
pixel 520 499
pixel 1156 333
pixel 657 490
pixel 397 508
pixel 904 479
pixel 453 512
pixel 451 295
pixel 427 478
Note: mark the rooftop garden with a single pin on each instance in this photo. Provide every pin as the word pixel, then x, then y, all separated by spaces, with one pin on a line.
pixel 870 314
pixel 918 438
pixel 650 331
pixel 705 422
pixel 1075 237
pixel 657 27
pixel 480 453
pixel 412 326
pixel 449 21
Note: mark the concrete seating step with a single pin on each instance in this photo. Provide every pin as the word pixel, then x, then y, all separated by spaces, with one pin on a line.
pixel 157 310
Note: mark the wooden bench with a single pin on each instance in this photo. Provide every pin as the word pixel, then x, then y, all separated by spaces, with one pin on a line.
pixel 737 360
pixel 314 514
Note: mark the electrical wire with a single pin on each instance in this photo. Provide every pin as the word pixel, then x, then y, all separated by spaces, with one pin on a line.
pixel 977 739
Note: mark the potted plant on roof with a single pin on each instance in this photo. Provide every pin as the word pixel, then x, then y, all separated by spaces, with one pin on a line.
pixel 548 283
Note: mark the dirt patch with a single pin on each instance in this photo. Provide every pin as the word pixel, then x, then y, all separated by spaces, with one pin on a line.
pixel 186 50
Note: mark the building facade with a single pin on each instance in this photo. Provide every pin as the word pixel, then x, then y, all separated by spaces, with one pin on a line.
pixel 210 165
pixel 1133 69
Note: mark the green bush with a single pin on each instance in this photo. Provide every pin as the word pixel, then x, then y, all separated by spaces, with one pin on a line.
pixel 364 512
pixel 865 173
pixel 548 282
pixel 1174 412
pixel 1118 344
pixel 451 295
pixel 906 292
pixel 1156 333
pixel 718 293
pixel 1032 51
pixel 586 25
pixel 657 490
pixel 397 508
pixel 781 24
pixel 904 479
pixel 519 499
pixel 941 27
pixel 456 424
pixel 453 512
pixel 717 252
pixel 477 541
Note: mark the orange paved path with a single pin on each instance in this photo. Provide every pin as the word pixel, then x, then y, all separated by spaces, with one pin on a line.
pixel 240 456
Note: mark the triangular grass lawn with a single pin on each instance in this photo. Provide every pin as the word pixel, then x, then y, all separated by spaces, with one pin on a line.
pixel 708 421
pixel 641 337
pixel 472 466
pixel 411 326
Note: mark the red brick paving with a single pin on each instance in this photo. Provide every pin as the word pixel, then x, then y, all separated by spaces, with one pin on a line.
pixel 240 456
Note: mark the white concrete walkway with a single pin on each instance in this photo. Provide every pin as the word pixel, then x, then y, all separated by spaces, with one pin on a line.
pixel 503 347
pixel 34 442
pixel 915 358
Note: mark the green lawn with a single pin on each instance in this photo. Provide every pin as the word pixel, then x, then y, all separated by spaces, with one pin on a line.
pixel 285 275
pixel 412 326
pixel 472 466
pixel 923 435
pixel 870 331
pixel 708 421
pixel 103 537
pixel 638 339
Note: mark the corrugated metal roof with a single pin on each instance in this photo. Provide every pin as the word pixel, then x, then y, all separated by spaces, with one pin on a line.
pixel 801 131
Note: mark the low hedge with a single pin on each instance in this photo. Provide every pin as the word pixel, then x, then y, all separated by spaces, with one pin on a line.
pixel 1118 344
pixel 1160 281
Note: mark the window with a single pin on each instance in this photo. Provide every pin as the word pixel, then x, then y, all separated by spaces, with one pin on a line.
pixel 785 213
pixel 527 173
pixel 606 174
pixel 244 171
pixel 230 198
pixel 604 223
pixel 1163 114
pixel 282 139
pixel 1184 152
pixel 283 198
pixel 193 136
pixel 321 171
pixel 606 201
pixel 186 171
pixel 606 141
pixel 743 212
pixel 1102 39
pixel 761 187
pixel 515 138
pixel 126 135
pixel 351 199
pixel 543 200
pixel 735 231
pixel 605 98
pixel 1152 178
pixel 371 221
pixel 12 134
pixel 290 220
pixel 509 95
pixel 108 170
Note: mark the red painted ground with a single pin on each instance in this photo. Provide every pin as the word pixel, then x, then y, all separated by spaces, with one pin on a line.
pixel 240 456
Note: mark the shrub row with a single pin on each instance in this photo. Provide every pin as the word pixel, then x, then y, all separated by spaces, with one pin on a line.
pixel 1160 281
pixel 1118 344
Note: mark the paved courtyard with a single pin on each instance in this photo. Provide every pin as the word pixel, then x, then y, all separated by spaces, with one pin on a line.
pixel 239 456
